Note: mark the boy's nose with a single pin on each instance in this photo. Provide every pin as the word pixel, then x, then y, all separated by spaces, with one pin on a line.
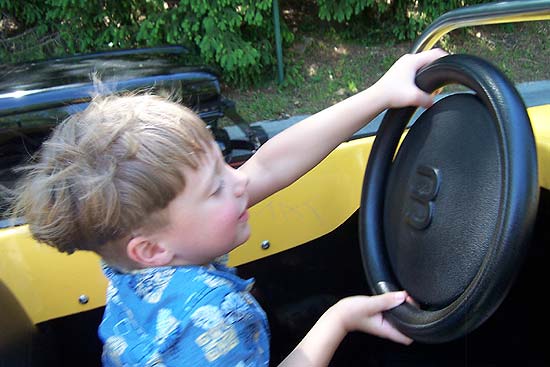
pixel 241 182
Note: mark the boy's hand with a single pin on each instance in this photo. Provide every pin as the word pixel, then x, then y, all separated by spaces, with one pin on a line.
pixel 357 313
pixel 363 313
pixel 398 83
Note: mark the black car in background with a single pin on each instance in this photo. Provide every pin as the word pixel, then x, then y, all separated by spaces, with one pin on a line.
pixel 35 96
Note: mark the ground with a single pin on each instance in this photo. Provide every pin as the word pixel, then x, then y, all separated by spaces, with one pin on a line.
pixel 322 69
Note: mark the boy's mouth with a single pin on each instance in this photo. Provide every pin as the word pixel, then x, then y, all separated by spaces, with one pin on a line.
pixel 244 216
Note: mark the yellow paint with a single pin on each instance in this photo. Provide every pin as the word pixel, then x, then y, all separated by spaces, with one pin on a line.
pixel 313 206
pixel 48 283
pixel 540 121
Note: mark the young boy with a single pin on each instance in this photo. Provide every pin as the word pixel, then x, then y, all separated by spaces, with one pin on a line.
pixel 140 181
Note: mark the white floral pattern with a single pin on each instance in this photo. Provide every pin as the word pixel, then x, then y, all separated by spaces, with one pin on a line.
pixel 151 285
pixel 234 307
pixel 196 316
pixel 166 325
pixel 155 361
pixel 113 348
pixel 206 317
pixel 211 281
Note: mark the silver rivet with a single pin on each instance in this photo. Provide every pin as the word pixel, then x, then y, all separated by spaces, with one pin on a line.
pixel 83 299
pixel 265 244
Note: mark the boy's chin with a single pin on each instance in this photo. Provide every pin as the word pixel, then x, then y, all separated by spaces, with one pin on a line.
pixel 243 238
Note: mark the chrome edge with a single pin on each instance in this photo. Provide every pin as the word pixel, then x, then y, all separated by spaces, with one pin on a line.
pixel 482 14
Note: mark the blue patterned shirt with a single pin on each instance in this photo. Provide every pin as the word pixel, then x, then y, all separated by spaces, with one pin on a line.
pixel 182 316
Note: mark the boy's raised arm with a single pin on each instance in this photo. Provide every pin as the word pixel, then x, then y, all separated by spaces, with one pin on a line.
pixel 296 150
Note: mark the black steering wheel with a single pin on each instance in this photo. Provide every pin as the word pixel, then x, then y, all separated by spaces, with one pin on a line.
pixel 449 216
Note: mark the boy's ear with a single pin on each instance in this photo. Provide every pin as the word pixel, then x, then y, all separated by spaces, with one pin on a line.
pixel 148 252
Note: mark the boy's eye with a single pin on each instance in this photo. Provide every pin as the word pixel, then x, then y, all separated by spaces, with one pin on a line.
pixel 219 188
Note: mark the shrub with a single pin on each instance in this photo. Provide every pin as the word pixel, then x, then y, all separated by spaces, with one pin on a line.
pixel 405 18
pixel 236 35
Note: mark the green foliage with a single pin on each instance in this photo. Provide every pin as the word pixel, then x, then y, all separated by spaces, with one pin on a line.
pixel 27 12
pixel 344 10
pixel 236 35
pixel 404 18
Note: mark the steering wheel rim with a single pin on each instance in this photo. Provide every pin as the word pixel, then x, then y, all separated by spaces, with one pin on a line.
pixel 491 283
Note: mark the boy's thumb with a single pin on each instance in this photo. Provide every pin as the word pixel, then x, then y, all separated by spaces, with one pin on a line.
pixel 425 100
pixel 387 301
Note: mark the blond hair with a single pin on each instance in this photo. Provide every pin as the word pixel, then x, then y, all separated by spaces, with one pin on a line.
pixel 106 171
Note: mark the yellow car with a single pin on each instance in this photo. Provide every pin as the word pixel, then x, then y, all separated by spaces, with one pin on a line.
pixel 451 204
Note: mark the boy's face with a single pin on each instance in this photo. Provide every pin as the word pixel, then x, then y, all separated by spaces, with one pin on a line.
pixel 209 217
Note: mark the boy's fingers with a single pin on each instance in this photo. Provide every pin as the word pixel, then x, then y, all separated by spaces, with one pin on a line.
pixel 386 301
pixel 426 57
pixel 411 301
pixel 396 336
pixel 427 99
pixel 424 99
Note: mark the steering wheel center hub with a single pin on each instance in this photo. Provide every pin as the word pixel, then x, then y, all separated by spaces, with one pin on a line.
pixel 442 200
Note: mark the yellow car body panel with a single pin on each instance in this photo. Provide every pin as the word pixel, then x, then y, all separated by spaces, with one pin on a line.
pixel 314 205
pixel 540 121
pixel 48 284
